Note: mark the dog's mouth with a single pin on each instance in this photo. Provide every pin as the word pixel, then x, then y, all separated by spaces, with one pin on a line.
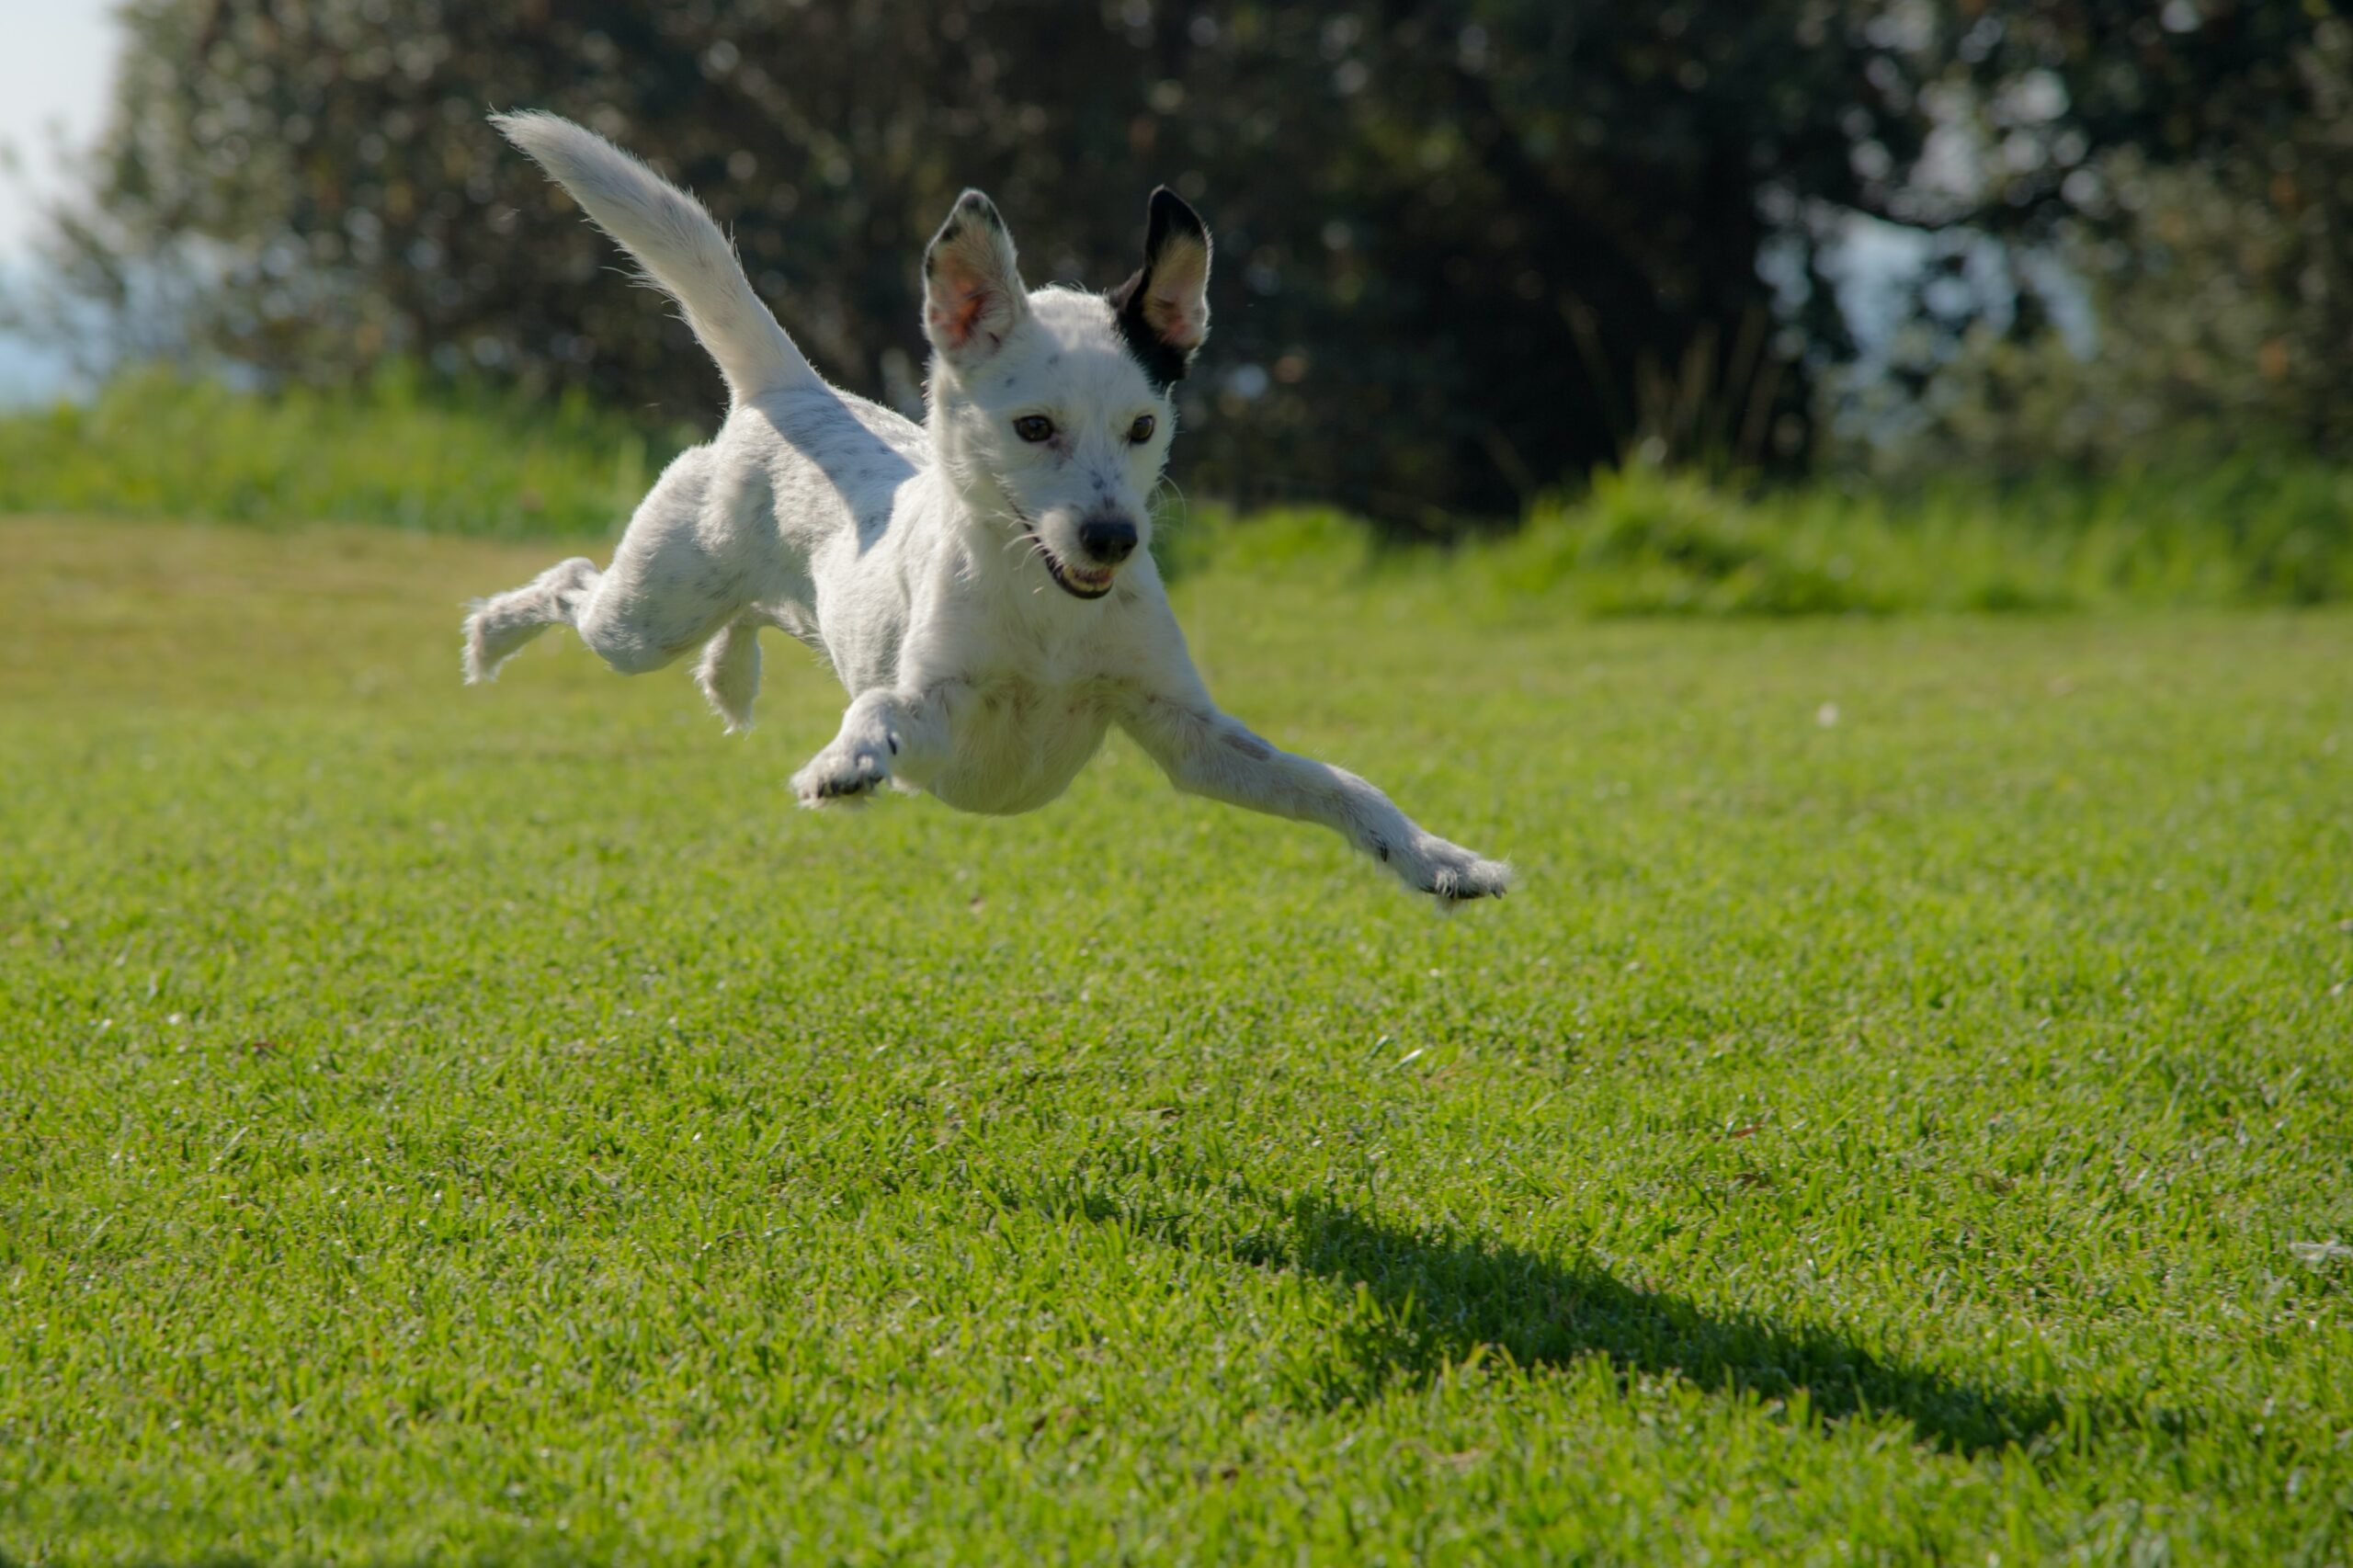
pixel 1079 582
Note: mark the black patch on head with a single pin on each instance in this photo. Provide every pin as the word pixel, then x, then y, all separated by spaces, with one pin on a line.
pixel 1162 364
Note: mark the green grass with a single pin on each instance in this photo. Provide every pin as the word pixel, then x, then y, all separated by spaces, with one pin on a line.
pixel 2254 529
pixel 492 1126
pixel 397 451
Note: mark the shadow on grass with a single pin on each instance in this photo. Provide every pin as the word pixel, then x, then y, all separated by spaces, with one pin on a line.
pixel 1443 1298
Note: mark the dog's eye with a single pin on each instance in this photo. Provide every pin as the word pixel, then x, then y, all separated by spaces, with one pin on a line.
pixel 1034 428
pixel 1140 431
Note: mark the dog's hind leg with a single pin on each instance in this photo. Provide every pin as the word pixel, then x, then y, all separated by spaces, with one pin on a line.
pixel 673 585
pixel 504 622
pixel 729 671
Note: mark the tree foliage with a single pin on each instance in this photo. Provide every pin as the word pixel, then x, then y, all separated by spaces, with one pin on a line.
pixel 2216 249
pixel 1466 247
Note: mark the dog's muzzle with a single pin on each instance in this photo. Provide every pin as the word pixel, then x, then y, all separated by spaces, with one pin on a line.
pixel 1108 541
pixel 1079 582
pixel 1106 538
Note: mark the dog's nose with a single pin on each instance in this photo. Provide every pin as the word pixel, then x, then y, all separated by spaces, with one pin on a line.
pixel 1107 539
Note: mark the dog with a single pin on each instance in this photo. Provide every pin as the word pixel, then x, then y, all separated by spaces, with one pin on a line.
pixel 981 583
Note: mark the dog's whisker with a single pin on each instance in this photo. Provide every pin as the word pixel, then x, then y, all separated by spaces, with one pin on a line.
pixel 1184 503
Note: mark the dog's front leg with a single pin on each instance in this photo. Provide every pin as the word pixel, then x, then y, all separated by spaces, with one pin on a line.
pixel 885 732
pixel 1206 752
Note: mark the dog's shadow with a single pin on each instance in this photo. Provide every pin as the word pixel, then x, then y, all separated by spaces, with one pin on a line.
pixel 1445 1300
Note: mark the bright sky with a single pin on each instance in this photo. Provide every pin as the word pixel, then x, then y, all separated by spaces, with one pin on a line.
pixel 53 80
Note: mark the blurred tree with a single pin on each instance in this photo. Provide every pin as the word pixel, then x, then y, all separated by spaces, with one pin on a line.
pixel 2188 170
pixel 1466 247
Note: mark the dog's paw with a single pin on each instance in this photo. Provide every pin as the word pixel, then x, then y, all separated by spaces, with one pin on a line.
pixel 840 774
pixel 1447 872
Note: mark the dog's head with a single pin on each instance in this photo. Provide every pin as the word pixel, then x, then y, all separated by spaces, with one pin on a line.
pixel 1053 409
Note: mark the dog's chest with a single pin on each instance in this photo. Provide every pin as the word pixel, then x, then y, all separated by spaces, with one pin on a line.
pixel 1016 739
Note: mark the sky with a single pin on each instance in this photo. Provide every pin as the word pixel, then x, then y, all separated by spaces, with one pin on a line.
pixel 53 80
pixel 53 84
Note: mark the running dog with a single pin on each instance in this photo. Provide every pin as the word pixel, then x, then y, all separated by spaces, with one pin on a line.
pixel 981 583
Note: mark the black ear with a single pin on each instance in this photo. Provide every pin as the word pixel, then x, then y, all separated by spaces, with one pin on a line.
pixel 1164 309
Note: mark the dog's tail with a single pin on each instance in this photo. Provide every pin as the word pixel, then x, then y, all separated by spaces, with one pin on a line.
pixel 678 243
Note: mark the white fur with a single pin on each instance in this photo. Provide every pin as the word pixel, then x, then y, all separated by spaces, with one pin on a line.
pixel 937 568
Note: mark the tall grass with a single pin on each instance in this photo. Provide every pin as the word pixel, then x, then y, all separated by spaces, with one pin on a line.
pixel 394 451
pixel 1644 542
pixel 1641 541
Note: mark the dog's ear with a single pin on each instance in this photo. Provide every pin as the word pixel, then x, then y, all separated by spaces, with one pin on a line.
pixel 1164 309
pixel 972 297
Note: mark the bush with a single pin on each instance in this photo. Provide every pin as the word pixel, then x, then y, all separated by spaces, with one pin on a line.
pixel 1641 541
pixel 449 460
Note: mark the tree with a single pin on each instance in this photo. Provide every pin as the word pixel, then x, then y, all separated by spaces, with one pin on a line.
pixel 1467 248
pixel 2208 228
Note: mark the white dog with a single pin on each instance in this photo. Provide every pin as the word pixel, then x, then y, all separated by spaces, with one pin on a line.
pixel 980 583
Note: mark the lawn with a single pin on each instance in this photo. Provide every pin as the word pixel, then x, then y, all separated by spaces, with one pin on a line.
pixel 1896 1118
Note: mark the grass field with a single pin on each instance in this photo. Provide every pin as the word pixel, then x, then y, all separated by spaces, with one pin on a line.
pixel 1894 1121
pixel 2190 529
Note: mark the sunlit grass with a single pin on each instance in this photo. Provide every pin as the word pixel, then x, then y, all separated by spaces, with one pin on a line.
pixel 494 1126
pixel 2255 529
pixel 396 451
